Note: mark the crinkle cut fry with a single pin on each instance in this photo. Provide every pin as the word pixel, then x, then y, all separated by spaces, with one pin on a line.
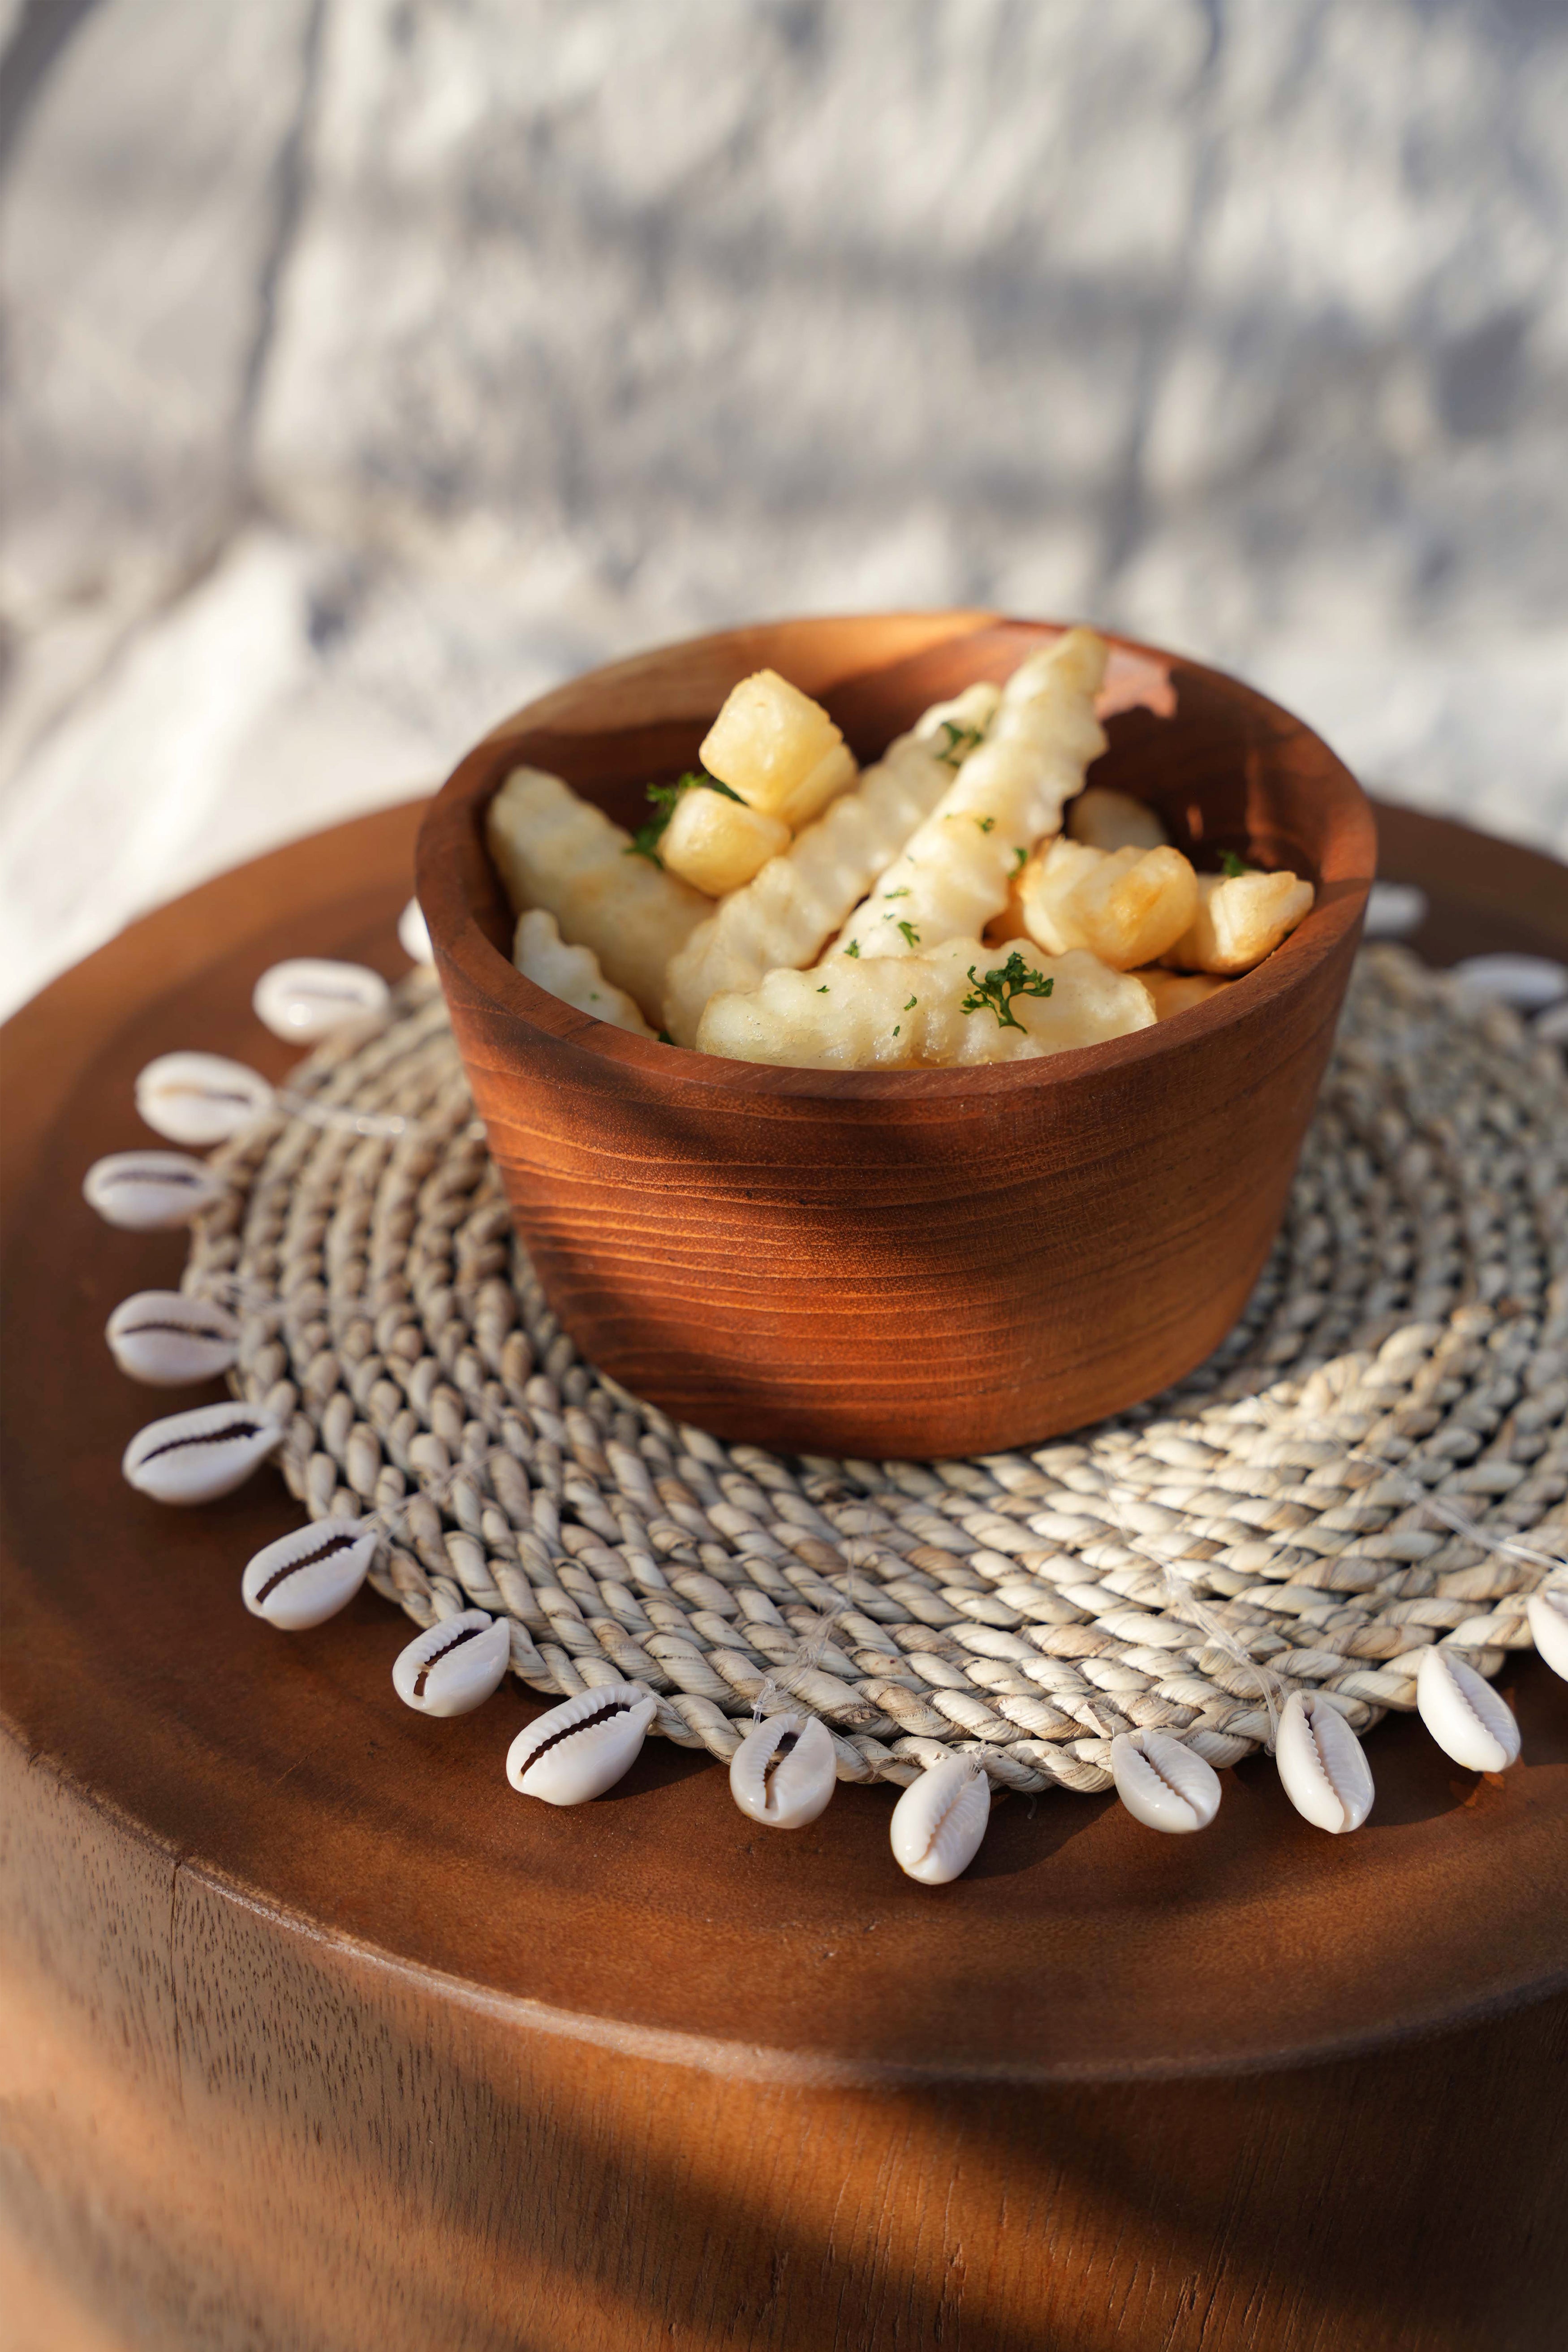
pixel 781 919
pixel 572 974
pixel 559 852
pixel 919 1012
pixel 953 876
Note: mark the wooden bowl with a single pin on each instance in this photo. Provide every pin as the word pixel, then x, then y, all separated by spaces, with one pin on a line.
pixel 922 1262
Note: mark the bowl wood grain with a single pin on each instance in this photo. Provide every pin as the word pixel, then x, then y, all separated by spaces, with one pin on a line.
pixel 905 1263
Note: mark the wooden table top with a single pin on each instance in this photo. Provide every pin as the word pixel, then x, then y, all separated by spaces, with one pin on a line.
pixel 658 1920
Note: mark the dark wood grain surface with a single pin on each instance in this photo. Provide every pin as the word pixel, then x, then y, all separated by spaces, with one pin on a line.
pixel 316 2035
pixel 789 1255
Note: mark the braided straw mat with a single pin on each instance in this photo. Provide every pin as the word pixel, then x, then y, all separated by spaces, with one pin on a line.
pixel 1409 1338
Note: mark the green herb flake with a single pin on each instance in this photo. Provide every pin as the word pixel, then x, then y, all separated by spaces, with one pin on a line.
pixel 853 948
pixel 911 937
pixel 960 741
pixel 901 892
pixel 1020 859
pixel 986 823
pixel 996 992
pixel 823 989
pixel 896 1031
pixel 912 1004
pixel 1231 866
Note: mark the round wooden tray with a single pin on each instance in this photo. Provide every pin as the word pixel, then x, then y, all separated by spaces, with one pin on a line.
pixel 324 2036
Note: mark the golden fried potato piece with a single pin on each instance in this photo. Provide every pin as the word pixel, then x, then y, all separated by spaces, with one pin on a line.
pixel 559 852
pixel 1240 918
pixel 1109 820
pixel 778 748
pixel 1173 991
pixel 716 845
pixel 573 973
pixel 1126 906
pixel 801 897
pixel 962 1005
pixel 952 877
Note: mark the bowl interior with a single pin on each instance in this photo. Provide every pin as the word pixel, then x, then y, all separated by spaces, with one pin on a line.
pixel 1225 769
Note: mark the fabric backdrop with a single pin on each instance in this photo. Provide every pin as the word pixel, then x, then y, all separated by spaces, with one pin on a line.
pixel 372 364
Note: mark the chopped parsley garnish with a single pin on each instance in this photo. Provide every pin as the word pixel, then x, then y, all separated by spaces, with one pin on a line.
pixel 996 992
pixel 960 741
pixel 645 841
pixel 1020 859
pixel 901 892
pixel 986 823
pixel 912 1003
pixel 899 1026
pixel 911 937
pixel 1231 866
pixel 823 989
pixel 853 948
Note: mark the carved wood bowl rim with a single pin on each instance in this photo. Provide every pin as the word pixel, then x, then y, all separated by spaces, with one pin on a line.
pixel 457 886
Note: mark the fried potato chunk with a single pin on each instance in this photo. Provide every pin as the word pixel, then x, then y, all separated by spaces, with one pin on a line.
pixel 573 973
pixel 1240 918
pixel 559 852
pixel 716 845
pixel 778 748
pixel 1109 820
pixel 1173 991
pixel 952 877
pixel 800 897
pixel 955 1007
pixel 1126 906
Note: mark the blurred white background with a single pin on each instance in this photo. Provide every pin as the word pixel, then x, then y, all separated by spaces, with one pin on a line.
pixel 372 364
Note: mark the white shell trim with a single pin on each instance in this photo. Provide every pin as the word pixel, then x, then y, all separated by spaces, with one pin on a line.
pixel 1326 1776
pixel 1163 1782
pixel 583 1746
pixel 939 1821
pixel 166 1338
pixel 1526 981
pixel 784 1790
pixel 455 1665
pixel 194 1457
pixel 200 1098
pixel 1464 1715
pixel 308 1575
pixel 1547 1613
pixel 414 934
pixel 308 997
pixel 147 1191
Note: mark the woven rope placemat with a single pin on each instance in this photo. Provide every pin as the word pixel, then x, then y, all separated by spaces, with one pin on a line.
pixel 1292 1515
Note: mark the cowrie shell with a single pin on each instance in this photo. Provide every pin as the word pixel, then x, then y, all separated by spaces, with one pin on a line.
pixel 581 1748
pixel 308 997
pixel 1163 1782
pixel 200 1098
pixel 940 1819
pixel 166 1339
pixel 1464 1715
pixel 455 1665
pixel 784 1771
pixel 1394 909
pixel 194 1457
pixel 308 1575
pixel 1526 981
pixel 1547 1613
pixel 1326 1776
pixel 145 1192
pixel 414 934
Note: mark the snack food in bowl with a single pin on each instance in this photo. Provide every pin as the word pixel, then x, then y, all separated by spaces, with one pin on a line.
pixel 872 1109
